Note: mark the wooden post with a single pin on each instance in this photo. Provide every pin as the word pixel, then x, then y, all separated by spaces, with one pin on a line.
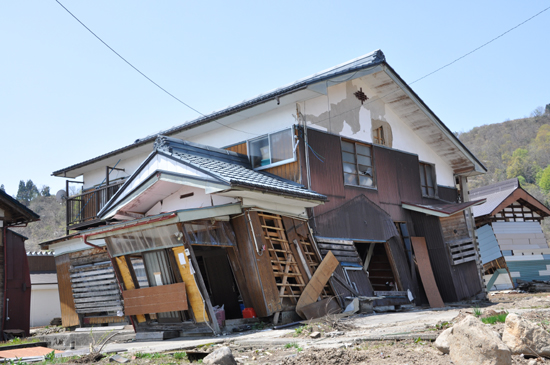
pixel 465 194
pixel 202 288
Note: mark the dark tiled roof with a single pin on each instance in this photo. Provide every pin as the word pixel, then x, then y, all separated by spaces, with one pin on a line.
pixel 231 167
pixel 20 213
pixel 369 60
pixel 445 207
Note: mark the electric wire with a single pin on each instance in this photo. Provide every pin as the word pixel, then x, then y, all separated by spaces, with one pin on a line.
pixel 144 75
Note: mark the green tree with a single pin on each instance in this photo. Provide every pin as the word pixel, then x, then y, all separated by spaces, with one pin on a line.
pixel 45 191
pixel 27 192
pixel 521 164
pixel 544 181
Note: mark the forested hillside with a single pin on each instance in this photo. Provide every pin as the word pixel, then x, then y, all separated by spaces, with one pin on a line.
pixel 515 148
pixel 52 215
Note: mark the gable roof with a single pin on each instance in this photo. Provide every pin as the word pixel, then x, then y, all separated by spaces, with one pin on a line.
pixel 17 212
pixel 220 169
pixel 391 88
pixel 501 195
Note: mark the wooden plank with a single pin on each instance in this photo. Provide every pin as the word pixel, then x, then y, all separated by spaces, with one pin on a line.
pixel 127 279
pixel 426 273
pixel 156 299
pixel 94 284
pixel 114 297
pixel 318 281
pixel 90 268
pixel 111 303
pixel 97 288
pixel 82 274
pixel 93 278
pixel 193 295
pixel 340 253
pixel 99 309
pixel 69 316
pixel 88 294
pixel 328 246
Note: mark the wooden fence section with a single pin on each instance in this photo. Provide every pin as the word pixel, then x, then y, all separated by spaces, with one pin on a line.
pixel 156 299
pixel 457 238
pixel 95 289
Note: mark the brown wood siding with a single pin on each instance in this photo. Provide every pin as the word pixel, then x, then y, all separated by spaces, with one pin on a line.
pixel 289 171
pixel 239 148
pixel 456 222
pixel 69 317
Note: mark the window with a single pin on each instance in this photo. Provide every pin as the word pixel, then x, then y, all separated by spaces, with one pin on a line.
pixel 357 163
pixel 378 136
pixel 273 149
pixel 427 179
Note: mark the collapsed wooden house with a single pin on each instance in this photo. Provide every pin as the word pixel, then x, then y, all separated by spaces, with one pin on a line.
pixel 512 244
pixel 212 217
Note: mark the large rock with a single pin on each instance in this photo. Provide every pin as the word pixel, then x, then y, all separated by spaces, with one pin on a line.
pixel 473 343
pixel 442 341
pixel 221 356
pixel 524 337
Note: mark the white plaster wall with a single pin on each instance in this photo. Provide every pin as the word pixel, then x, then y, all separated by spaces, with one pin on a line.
pixel 130 165
pixel 198 200
pixel 44 304
pixel 271 121
pixel 348 118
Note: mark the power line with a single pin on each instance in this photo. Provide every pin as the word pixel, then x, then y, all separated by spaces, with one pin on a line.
pixel 483 45
pixel 125 60
pixel 142 74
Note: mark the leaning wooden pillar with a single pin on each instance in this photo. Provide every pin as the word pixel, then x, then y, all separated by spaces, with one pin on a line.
pixel 200 283
pixel 470 221
pixel 127 279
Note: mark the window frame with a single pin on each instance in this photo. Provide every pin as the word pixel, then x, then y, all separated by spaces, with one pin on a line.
pixel 268 136
pixel 434 180
pixel 373 175
pixel 378 136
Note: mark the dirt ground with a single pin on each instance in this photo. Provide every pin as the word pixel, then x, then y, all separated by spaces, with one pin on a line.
pixel 344 341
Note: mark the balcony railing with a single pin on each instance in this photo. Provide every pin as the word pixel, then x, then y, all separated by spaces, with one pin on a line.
pixel 82 209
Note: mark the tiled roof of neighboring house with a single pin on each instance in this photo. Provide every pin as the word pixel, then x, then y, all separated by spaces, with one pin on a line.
pixel 231 167
pixel 39 253
pixel 42 279
pixel 19 212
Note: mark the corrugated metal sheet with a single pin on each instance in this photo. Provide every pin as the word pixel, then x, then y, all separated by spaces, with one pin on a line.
pixel 488 245
pixel 516 227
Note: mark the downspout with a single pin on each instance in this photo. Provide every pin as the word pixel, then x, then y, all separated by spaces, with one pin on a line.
pixel 308 172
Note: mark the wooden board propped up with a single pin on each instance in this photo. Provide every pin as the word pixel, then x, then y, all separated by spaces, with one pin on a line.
pixel 313 289
pixel 426 273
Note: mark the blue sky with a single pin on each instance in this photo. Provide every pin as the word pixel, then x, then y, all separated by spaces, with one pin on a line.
pixel 65 98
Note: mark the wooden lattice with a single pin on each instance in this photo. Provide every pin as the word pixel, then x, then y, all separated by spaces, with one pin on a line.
pixel 285 269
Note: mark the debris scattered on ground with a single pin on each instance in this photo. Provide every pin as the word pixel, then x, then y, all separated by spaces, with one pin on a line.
pixel 535 286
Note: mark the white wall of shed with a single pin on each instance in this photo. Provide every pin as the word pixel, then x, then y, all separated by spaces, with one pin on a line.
pixel 45 304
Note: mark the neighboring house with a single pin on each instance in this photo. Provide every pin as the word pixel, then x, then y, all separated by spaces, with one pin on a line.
pixel 15 292
pixel 510 236
pixel 44 289
pixel 240 207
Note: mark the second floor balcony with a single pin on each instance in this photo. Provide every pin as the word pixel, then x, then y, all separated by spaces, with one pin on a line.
pixel 82 209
